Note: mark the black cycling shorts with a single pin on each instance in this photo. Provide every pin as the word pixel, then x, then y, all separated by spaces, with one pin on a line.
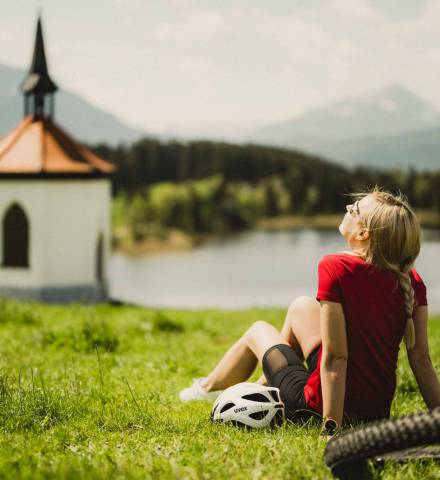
pixel 284 369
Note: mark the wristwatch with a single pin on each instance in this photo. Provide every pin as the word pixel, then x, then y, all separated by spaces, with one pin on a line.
pixel 330 426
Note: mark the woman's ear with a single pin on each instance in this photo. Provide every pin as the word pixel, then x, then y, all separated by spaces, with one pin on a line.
pixel 363 234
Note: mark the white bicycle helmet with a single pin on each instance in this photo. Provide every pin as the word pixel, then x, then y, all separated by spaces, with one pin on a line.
pixel 249 404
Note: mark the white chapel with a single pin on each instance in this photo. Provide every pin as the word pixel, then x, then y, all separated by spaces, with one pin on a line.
pixel 55 198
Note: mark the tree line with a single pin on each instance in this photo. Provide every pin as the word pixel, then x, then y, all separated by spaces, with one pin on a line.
pixel 211 186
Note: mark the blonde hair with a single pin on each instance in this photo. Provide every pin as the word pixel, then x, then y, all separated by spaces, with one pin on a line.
pixel 394 244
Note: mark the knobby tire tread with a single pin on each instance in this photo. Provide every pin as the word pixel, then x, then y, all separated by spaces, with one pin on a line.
pixel 383 437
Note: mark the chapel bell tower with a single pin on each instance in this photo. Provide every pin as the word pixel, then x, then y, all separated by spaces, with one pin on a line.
pixel 55 202
pixel 38 88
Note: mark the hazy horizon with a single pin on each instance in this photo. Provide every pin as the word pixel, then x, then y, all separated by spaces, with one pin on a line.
pixel 186 65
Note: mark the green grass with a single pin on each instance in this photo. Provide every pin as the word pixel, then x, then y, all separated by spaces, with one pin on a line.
pixel 90 392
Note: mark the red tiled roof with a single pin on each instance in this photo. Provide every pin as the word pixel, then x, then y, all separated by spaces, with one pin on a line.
pixel 40 146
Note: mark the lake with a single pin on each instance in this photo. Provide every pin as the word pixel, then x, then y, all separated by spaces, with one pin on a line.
pixel 253 269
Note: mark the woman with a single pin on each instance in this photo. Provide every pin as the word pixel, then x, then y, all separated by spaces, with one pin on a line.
pixel 370 298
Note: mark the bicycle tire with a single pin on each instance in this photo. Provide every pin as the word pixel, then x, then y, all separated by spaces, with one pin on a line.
pixel 382 437
pixel 417 453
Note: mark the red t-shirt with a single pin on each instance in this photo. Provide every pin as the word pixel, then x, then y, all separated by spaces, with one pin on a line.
pixel 375 319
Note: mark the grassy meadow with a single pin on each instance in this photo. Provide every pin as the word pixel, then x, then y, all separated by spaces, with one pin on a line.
pixel 91 392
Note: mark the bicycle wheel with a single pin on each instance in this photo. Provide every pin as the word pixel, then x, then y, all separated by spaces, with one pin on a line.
pixel 343 452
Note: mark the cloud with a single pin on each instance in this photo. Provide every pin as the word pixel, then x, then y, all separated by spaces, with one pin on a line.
pixel 193 27
pixel 128 3
pixel 193 65
pixel 353 10
pixel 303 40
pixel 235 61
pixel 182 3
pixel 258 65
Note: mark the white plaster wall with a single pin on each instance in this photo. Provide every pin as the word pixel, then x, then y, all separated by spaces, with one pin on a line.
pixel 65 219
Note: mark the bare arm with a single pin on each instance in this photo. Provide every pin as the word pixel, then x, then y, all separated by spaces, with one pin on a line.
pixel 420 361
pixel 334 360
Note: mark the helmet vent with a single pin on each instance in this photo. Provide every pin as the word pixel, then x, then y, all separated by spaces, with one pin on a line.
pixel 274 395
pixel 259 415
pixel 213 412
pixel 227 407
pixel 256 397
pixel 278 419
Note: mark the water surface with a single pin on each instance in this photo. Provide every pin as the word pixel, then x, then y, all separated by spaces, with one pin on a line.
pixel 264 269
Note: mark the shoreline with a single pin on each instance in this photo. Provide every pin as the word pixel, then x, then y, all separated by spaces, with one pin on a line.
pixel 179 241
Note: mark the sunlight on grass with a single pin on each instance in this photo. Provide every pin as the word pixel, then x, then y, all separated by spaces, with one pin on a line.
pixel 91 392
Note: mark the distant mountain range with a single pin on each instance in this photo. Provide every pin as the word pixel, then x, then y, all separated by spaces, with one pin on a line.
pixel 82 120
pixel 388 128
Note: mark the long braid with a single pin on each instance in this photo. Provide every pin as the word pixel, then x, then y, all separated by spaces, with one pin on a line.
pixel 408 295
pixel 406 286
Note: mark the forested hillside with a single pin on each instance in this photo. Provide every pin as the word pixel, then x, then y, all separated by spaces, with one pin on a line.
pixel 204 186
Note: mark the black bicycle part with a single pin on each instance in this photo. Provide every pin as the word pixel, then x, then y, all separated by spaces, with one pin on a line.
pixel 346 453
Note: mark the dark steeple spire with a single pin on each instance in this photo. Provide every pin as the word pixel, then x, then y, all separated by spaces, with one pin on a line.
pixel 38 83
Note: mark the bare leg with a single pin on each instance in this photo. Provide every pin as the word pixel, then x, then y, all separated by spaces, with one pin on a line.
pixel 288 333
pixel 301 329
pixel 302 326
pixel 240 360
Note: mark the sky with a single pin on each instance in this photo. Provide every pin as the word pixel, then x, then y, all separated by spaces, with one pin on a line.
pixel 227 65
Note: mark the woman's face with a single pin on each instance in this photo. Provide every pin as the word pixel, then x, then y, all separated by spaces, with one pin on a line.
pixel 351 227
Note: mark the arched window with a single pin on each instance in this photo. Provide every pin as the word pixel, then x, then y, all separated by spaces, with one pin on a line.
pixel 15 237
pixel 100 260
